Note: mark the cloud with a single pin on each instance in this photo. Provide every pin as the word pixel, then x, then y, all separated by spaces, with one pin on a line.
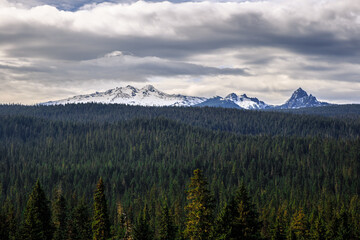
pixel 276 45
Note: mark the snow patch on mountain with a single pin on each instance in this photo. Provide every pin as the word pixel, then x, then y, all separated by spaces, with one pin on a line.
pixel 146 96
pixel 246 102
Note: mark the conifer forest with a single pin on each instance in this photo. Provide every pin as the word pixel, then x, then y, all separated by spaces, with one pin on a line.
pixel 94 171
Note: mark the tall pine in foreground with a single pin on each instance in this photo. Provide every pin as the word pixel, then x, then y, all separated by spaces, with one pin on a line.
pixel 59 216
pixel 238 219
pixel 79 226
pixel 100 224
pixel 37 216
pixel 200 207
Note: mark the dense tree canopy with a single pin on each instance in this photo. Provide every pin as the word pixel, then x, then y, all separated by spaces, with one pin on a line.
pixel 301 172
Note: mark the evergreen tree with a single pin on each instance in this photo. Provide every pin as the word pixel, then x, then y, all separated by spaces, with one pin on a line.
pixel 124 230
pixel 238 219
pixel 245 224
pixel 222 226
pixel 319 230
pixel 278 232
pixel 4 226
pixel 79 227
pixel 37 216
pixel 59 216
pixel 142 229
pixel 100 224
pixel 199 209
pixel 167 227
pixel 299 228
pixel 11 221
pixel 344 227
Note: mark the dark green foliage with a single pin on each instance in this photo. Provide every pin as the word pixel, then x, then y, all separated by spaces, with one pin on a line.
pixel 59 214
pixel 278 231
pixel 79 224
pixel 37 216
pixel 319 229
pixel 100 223
pixel 199 220
pixel 4 226
pixel 218 119
pixel 286 161
pixel 167 228
pixel 239 219
pixel 299 228
pixel 344 228
pixel 142 229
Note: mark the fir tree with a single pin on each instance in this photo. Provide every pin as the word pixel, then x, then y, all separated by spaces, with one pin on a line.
pixel 100 224
pixel 344 227
pixel 319 230
pixel 37 216
pixel 199 209
pixel 142 229
pixel 79 227
pixel 222 227
pixel 59 216
pixel 278 231
pixel 245 223
pixel 167 229
pixel 299 226
pixel 4 226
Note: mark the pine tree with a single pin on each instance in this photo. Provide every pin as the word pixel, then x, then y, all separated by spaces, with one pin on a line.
pixel 4 226
pixel 319 230
pixel 199 209
pixel 37 217
pixel 142 229
pixel 344 227
pixel 79 227
pixel 100 224
pixel 278 232
pixel 245 223
pixel 238 219
pixel 167 229
pixel 299 228
pixel 222 228
pixel 59 216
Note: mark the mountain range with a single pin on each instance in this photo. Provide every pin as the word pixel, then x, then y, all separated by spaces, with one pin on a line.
pixel 150 96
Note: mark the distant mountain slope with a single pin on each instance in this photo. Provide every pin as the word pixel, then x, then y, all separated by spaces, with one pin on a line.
pixel 218 102
pixel 150 96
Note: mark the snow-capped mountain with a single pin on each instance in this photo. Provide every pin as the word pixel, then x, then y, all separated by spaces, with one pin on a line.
pixel 146 96
pixel 150 96
pixel 246 102
pixel 301 99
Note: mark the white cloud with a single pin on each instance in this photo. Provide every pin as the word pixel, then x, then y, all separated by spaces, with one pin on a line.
pixel 282 44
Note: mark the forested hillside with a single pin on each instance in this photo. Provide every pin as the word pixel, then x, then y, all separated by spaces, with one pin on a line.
pixel 246 122
pixel 296 176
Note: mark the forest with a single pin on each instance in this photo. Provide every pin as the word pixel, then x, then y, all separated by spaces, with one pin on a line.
pixel 93 171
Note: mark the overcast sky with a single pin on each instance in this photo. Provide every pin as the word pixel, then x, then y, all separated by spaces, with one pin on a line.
pixel 53 49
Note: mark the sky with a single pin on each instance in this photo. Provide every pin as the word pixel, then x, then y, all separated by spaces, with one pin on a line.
pixel 53 49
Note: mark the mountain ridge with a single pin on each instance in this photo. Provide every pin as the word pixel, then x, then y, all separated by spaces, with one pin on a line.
pixel 150 96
